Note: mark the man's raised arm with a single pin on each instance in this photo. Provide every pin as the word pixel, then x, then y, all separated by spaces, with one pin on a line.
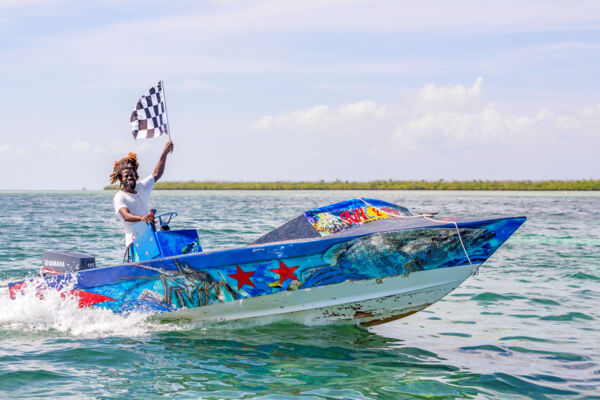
pixel 160 166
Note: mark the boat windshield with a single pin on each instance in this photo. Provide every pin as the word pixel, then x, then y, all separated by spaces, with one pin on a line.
pixel 351 213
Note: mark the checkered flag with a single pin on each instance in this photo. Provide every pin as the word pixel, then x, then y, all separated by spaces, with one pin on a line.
pixel 149 118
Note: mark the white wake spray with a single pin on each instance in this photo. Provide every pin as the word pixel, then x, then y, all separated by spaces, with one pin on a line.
pixel 59 311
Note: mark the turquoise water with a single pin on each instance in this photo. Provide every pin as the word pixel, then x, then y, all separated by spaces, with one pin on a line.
pixel 526 327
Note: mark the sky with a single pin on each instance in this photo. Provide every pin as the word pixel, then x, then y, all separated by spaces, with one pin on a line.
pixel 301 90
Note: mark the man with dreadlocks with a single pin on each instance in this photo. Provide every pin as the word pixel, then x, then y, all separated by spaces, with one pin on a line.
pixel 131 202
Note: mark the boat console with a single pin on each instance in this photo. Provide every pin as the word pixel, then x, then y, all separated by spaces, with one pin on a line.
pixel 150 243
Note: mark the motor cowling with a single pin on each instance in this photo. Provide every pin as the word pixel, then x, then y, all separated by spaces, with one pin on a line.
pixel 58 262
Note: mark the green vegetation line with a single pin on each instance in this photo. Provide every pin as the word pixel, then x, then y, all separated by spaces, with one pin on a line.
pixel 382 185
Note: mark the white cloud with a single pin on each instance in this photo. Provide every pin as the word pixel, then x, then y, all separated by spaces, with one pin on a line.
pixel 457 97
pixel 271 16
pixel 451 129
pixel 80 146
pixel 366 108
pixel 301 119
pixel 585 121
pixel 50 147
pixel 11 150
pixel 76 147
pixel 120 147
pixel 182 39
pixel 437 117
pixel 324 117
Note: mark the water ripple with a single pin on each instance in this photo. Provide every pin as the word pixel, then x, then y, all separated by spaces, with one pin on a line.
pixel 525 328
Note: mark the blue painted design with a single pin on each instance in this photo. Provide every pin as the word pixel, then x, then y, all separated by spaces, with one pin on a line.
pixel 145 245
pixel 379 249
pixel 328 275
pixel 174 243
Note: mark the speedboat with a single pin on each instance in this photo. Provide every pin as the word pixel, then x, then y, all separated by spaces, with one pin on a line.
pixel 362 261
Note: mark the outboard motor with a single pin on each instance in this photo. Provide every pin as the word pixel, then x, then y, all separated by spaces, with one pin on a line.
pixel 58 262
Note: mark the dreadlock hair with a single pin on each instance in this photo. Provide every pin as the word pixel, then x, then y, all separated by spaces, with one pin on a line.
pixel 131 161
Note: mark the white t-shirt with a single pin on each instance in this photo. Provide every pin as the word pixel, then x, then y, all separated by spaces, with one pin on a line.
pixel 137 203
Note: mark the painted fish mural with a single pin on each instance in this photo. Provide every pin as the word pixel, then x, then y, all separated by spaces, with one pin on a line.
pixel 362 261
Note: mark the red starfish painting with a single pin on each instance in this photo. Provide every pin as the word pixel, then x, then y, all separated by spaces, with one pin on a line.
pixel 242 278
pixel 285 272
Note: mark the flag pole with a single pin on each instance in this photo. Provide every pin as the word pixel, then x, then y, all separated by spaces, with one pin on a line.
pixel 162 85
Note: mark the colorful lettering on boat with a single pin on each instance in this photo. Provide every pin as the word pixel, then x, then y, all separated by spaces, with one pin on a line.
pixel 328 220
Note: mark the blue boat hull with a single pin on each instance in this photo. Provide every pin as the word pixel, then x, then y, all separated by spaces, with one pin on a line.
pixel 280 278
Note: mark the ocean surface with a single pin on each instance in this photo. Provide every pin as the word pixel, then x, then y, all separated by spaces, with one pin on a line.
pixel 526 327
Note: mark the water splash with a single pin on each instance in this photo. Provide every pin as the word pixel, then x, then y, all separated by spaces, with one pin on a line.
pixel 58 312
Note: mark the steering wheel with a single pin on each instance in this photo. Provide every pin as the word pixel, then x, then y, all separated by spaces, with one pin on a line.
pixel 165 219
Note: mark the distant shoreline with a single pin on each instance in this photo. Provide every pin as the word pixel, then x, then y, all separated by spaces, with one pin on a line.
pixel 548 185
